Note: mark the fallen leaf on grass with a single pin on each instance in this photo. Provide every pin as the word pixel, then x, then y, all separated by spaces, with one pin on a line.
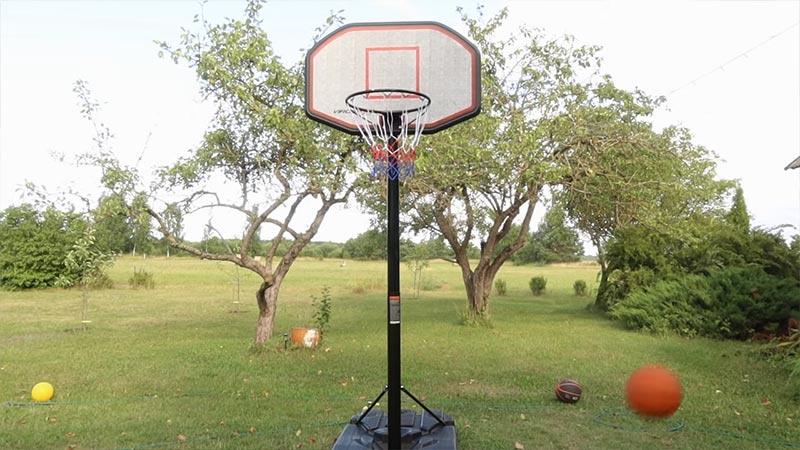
pixel 252 429
pixel 766 402
pixel 312 441
pixel 72 447
pixel 298 433
pixel 518 446
pixel 182 438
pixel 70 434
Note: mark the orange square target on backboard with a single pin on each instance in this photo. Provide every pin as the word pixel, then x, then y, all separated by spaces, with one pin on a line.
pixel 392 68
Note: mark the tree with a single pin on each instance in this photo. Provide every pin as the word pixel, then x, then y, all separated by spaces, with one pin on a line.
pixel 34 245
pixel 261 160
pixel 552 242
pixel 86 267
pixel 480 181
pixel 142 224
pixel 475 181
pixel 123 228
pixel 173 218
pixel 112 227
pixel 369 245
pixel 737 215
pixel 630 175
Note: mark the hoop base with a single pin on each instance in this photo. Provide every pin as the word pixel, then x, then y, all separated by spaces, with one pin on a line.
pixel 419 431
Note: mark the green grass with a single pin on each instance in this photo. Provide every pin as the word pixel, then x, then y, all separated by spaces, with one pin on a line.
pixel 172 367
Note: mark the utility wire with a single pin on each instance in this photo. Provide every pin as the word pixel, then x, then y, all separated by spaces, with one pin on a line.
pixel 728 62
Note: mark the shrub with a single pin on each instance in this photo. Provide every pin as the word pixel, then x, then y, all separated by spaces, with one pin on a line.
pixel 580 288
pixel 101 281
pixel 682 306
pixel 621 283
pixel 322 309
pixel 500 287
pixel 730 303
pixel 34 245
pixel 538 285
pixel 754 301
pixel 141 279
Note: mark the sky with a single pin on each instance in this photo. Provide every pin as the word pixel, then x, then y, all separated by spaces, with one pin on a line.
pixel 730 71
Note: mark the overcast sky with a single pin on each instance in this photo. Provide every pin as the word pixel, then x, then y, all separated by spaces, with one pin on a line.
pixel 730 71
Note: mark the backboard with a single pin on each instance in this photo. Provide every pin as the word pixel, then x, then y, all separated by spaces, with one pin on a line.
pixel 424 57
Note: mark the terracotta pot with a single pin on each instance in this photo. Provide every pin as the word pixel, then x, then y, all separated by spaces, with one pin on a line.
pixel 305 337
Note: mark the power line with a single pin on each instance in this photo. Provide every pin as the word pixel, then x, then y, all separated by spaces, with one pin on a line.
pixel 728 62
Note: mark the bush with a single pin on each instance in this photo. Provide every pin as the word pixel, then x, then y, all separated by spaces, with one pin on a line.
pixel 430 284
pixel 580 288
pixel 500 287
pixel 731 303
pixel 34 245
pixel 538 285
pixel 141 279
pixel 672 306
pixel 101 281
pixel 621 283
pixel 469 318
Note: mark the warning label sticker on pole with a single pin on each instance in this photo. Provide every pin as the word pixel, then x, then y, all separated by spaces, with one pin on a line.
pixel 394 309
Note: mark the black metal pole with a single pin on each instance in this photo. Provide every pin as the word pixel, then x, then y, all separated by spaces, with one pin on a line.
pixel 393 330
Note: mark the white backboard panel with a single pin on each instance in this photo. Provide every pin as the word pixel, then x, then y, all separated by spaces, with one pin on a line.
pixel 425 57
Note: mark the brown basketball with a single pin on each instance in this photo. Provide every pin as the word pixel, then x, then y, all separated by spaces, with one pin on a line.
pixel 568 391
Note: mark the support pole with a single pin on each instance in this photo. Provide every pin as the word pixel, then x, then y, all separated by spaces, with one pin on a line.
pixel 393 302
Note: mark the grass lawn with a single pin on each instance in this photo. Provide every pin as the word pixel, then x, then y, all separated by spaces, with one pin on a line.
pixel 172 367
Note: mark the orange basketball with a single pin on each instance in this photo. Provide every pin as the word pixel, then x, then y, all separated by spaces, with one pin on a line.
pixel 653 391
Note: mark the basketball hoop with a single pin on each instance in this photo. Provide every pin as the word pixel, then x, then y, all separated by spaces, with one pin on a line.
pixel 381 70
pixel 391 121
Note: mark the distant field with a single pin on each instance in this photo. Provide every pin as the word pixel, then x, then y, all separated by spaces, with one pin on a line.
pixel 172 367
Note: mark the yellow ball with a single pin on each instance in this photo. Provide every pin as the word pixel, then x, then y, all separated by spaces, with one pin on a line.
pixel 42 392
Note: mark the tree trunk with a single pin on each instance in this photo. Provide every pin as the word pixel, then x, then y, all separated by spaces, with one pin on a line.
pixel 601 302
pixel 478 284
pixel 267 299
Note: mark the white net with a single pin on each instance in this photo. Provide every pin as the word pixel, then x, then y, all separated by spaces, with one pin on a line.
pixel 391 121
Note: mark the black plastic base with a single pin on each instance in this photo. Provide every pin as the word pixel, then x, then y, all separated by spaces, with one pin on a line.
pixel 420 430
